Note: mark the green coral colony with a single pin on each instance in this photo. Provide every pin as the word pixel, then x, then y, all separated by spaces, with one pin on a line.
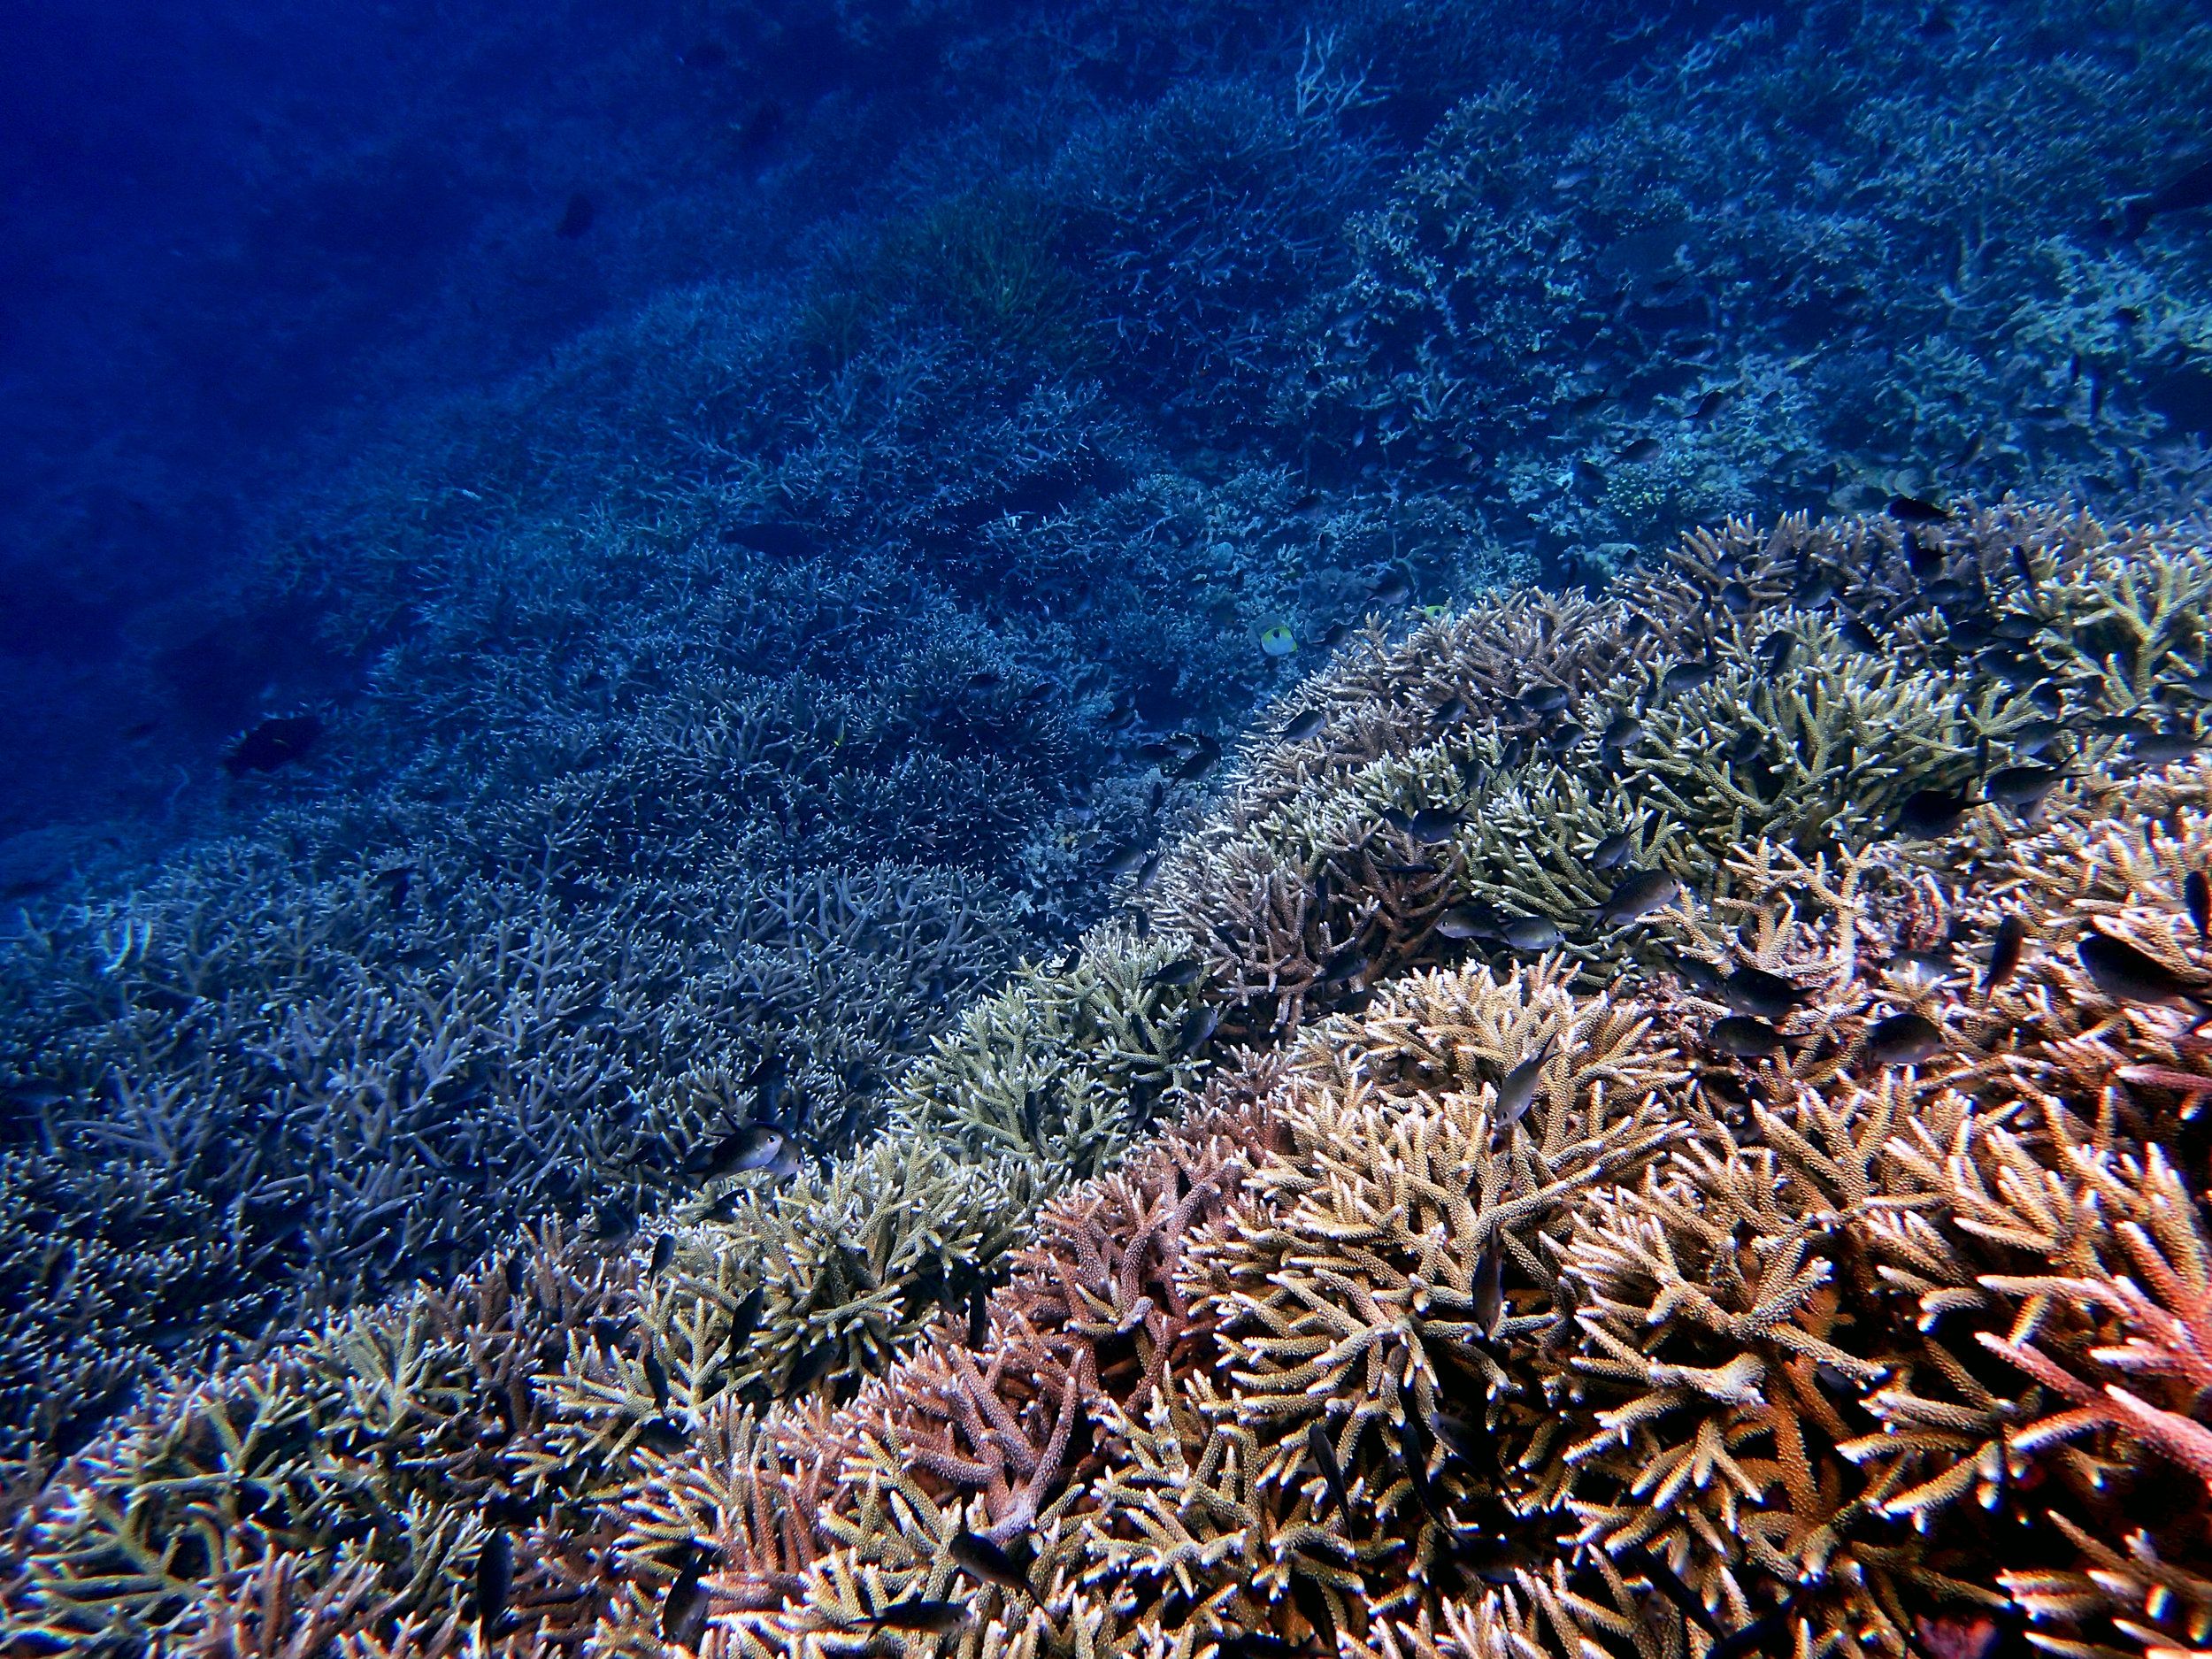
pixel 1316 1271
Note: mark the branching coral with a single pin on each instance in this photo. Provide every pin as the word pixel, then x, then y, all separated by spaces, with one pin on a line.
pixel 1824 1262
pixel 1821 753
pixel 358 1080
pixel 1060 1068
pixel 381 1446
pixel 1730 695
pixel 856 1263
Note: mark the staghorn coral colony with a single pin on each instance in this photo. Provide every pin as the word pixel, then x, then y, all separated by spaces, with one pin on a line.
pixel 1804 1255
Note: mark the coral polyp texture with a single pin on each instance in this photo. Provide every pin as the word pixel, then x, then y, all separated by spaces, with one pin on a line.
pixel 1615 1139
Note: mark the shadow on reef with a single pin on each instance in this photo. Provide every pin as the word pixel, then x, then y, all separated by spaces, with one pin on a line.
pixel 1813 1259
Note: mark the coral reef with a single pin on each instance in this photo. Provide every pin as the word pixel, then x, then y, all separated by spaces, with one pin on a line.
pixel 1736 690
pixel 274 1081
pixel 1058 1070
pixel 1516 1308
pixel 1549 1148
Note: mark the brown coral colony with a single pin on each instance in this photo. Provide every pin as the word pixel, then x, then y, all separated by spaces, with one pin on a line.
pixel 1689 1150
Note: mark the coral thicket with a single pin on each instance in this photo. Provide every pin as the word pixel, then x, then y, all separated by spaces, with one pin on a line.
pixel 1489 1301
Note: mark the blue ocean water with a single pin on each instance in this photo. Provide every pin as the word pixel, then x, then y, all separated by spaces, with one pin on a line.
pixel 578 582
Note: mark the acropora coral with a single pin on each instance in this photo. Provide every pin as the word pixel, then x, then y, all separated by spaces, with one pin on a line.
pixel 1816 1265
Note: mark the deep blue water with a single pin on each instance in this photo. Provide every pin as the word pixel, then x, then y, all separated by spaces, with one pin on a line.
pixel 243 240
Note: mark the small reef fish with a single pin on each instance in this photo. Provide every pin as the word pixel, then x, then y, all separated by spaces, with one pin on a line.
pixel 2163 748
pixel 1200 762
pixel 1249 1644
pixel 1312 1604
pixel 979 1316
pixel 684 1611
pixel 1859 637
pixel 985 1562
pixel 2178 195
pixel 1929 814
pixel 1929 968
pixel 1199 1026
pixel 576 217
pixel 495 1578
pixel 1638 896
pixel 1493 1559
pixel 766 1080
pixel 272 743
pixel 2022 788
pixel 1903 1039
pixel 918 1613
pixel 1413 1440
pixel 810 1367
pixel 1743 1038
pixel 2004 954
pixel 749 1147
pixel 1123 858
pixel 744 1321
pixel 1766 1632
pixel 1761 995
pixel 2126 974
pixel 1518 1092
pixel 1699 978
pixel 1471 921
pixel 1814 589
pixel 1532 932
pixel 1489 1287
pixel 1668 1584
pixel 1322 1449
pixel 1344 966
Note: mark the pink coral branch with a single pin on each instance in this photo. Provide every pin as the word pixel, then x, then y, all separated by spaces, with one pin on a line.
pixel 2185 1440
